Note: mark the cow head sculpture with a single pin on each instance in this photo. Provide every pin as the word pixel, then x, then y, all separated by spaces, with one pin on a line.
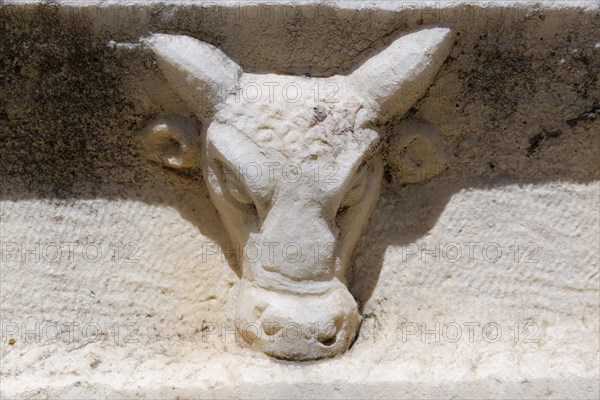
pixel 291 164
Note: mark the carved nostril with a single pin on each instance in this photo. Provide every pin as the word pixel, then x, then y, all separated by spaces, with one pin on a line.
pixel 249 336
pixel 328 336
pixel 326 339
pixel 271 328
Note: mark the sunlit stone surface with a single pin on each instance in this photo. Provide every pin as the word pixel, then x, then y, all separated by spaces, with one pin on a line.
pixel 124 272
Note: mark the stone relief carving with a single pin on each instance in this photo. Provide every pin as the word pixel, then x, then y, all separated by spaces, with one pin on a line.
pixel 292 165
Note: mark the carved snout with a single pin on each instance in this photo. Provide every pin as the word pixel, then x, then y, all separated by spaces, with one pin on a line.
pixel 294 326
pixel 291 305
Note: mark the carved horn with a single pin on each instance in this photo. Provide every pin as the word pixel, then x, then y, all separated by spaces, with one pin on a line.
pixel 395 79
pixel 199 72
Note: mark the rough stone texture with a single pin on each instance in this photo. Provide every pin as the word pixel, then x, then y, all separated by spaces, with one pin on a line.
pixel 516 103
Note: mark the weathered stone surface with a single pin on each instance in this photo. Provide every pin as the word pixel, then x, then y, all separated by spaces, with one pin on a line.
pixel 514 108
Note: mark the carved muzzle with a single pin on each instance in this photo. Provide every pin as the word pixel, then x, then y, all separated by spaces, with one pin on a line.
pixel 292 303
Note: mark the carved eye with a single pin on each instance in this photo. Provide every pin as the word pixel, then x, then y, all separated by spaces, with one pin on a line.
pixel 236 190
pixel 234 187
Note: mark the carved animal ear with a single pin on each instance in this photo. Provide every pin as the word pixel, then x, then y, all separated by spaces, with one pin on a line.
pixel 395 79
pixel 416 153
pixel 199 72
pixel 172 141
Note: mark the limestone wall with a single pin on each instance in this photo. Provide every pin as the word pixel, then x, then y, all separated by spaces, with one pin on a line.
pixel 480 282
